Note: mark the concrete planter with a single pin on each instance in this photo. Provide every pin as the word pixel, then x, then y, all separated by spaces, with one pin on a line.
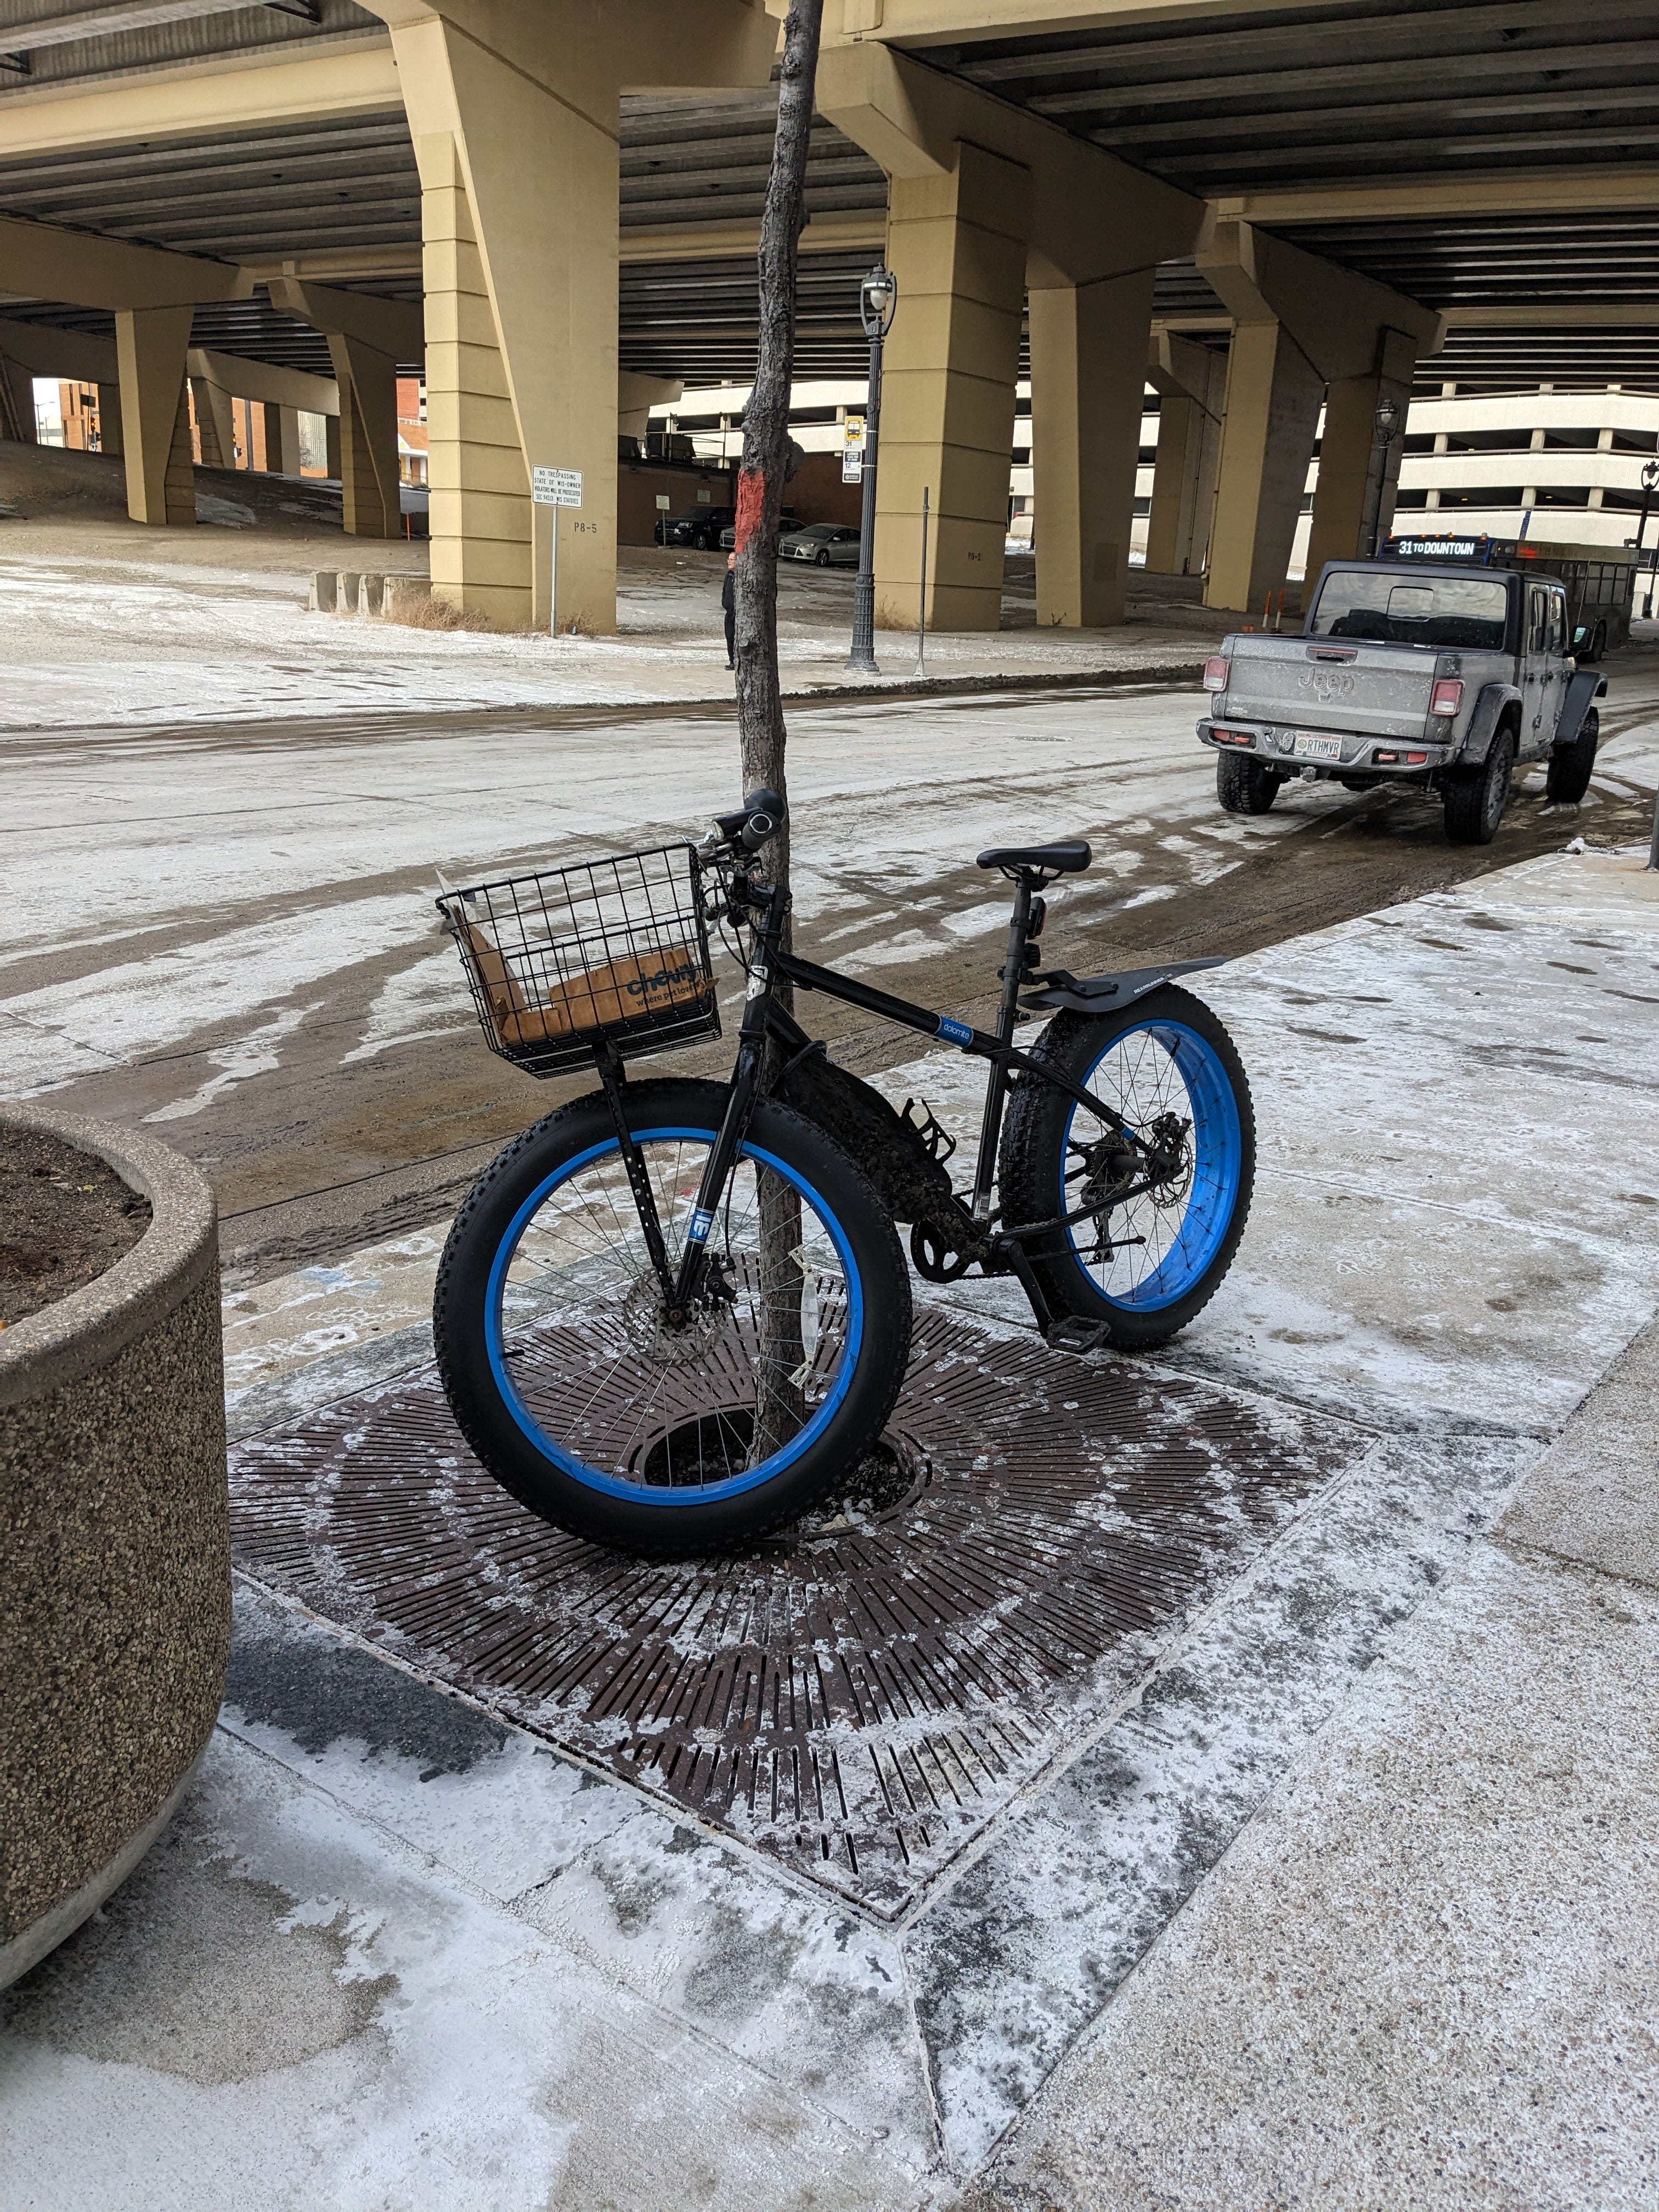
pixel 115 1552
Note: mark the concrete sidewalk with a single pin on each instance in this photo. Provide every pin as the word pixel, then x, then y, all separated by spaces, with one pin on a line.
pixel 1349 1903
pixel 1425 1973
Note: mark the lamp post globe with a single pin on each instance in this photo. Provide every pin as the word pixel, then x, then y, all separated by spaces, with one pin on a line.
pixel 877 299
pixel 1650 485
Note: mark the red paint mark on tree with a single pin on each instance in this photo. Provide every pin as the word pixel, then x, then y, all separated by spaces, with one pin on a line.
pixel 752 499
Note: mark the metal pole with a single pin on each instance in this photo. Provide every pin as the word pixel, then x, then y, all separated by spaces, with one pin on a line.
pixel 553 580
pixel 1653 841
pixel 921 609
pixel 863 655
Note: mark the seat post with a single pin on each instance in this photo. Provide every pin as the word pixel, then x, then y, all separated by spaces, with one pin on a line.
pixel 996 1090
pixel 1013 966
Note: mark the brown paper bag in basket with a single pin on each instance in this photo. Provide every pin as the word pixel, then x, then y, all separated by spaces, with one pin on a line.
pixel 653 982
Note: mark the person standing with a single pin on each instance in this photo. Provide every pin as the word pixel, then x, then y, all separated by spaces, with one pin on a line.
pixel 729 605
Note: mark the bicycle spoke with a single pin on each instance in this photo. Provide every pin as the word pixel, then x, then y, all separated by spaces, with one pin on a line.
pixel 610 1382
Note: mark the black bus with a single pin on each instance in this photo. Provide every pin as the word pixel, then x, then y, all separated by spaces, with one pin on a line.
pixel 1599 579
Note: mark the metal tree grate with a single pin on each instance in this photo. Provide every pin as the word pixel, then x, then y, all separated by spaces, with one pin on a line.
pixel 858 1700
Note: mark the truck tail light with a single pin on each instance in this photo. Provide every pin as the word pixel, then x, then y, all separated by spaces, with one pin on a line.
pixel 1447 697
pixel 1215 672
pixel 1230 737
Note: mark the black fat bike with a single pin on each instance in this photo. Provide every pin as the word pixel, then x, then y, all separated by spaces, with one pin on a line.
pixel 671 1315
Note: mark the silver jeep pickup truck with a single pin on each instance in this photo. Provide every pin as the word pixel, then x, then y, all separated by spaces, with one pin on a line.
pixel 1446 677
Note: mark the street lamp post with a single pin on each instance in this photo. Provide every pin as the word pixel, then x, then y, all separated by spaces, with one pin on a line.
pixel 1386 424
pixel 1650 480
pixel 878 297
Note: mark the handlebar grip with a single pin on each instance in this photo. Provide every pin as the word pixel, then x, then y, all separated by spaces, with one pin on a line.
pixel 763 813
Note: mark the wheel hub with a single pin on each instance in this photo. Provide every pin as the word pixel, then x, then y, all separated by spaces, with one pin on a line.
pixel 665 1343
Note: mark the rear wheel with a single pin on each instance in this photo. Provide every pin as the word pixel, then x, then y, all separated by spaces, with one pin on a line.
pixel 1567 778
pixel 1146 1264
pixel 573 1390
pixel 1476 798
pixel 1244 785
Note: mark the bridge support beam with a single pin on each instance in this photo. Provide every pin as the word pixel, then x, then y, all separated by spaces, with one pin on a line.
pixel 1300 323
pixel 516 115
pixel 1359 469
pixel 1088 395
pixel 957 244
pixel 150 345
pixel 1191 382
pixel 985 199
pixel 281 438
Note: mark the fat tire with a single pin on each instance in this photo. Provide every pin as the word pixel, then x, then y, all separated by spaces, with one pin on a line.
pixel 1472 816
pixel 666 1531
pixel 1033 1134
pixel 1244 786
pixel 1567 778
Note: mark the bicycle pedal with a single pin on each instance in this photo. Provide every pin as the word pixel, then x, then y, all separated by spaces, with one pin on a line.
pixel 1072 1333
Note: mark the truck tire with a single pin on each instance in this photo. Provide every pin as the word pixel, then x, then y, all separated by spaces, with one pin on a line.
pixel 1475 797
pixel 1567 778
pixel 1243 785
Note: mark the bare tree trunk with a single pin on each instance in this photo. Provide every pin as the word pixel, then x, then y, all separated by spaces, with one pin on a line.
pixel 781 1408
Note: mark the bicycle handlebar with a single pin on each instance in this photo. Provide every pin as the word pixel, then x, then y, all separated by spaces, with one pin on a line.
pixel 761 816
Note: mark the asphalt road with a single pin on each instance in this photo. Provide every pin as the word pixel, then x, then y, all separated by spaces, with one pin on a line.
pixel 226 932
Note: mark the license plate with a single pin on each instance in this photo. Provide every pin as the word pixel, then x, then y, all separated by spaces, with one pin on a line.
pixel 1310 745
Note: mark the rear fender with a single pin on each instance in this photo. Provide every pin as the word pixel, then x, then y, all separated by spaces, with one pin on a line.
pixel 1582 689
pixel 1495 700
pixel 1105 994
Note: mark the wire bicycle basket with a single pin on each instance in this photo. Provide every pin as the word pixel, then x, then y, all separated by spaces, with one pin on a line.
pixel 569 960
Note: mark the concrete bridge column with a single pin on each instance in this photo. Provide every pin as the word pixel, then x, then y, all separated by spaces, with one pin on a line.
pixel 1191 381
pixel 1088 391
pixel 215 422
pixel 1358 473
pixel 281 438
pixel 479 510
pixel 519 218
pixel 365 340
pixel 971 181
pixel 1274 395
pixel 1300 323
pixel 515 114
pixel 16 402
pixel 109 418
pixel 369 502
pixel 151 346
pixel 957 244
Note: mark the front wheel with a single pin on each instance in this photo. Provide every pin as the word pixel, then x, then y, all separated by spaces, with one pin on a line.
pixel 1567 777
pixel 574 1389
pixel 1143 1259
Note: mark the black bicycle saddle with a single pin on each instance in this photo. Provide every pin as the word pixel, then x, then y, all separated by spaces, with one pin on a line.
pixel 1063 859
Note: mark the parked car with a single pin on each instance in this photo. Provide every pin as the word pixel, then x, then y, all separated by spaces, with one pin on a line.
pixel 700 526
pixel 830 545
pixel 1442 675
pixel 787 524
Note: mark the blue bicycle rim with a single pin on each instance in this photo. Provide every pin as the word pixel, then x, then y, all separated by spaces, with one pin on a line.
pixel 645 1493
pixel 1218 1169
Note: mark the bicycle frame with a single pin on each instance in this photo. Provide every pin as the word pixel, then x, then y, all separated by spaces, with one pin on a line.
pixel 763 1018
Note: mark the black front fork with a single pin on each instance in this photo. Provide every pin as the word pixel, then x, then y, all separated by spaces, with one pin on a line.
pixel 680 1284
